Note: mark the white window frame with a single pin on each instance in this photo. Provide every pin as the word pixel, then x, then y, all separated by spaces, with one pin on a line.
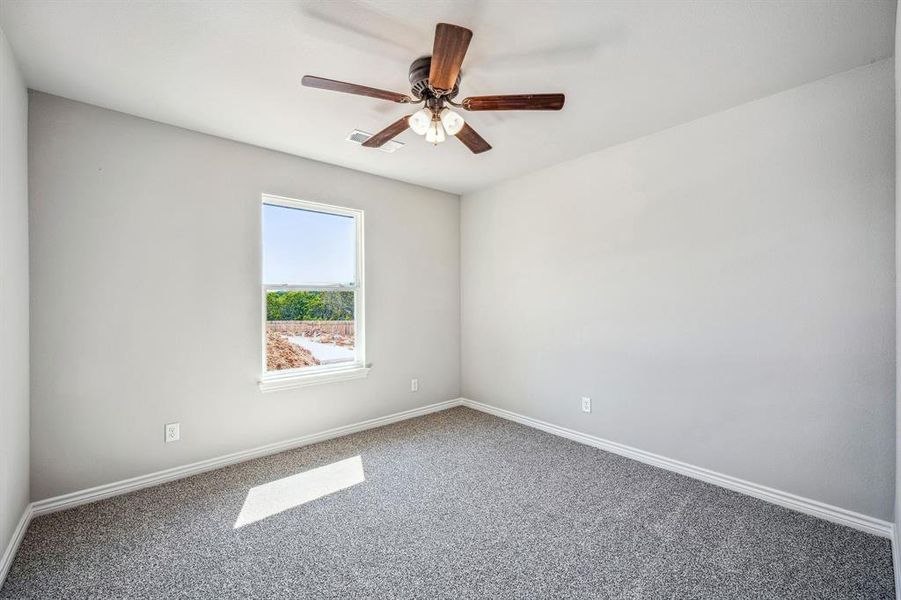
pixel 304 376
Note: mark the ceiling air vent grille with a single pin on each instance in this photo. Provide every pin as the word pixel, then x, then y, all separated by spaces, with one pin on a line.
pixel 358 137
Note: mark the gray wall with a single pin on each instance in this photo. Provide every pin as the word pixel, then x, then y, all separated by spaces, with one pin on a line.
pixel 722 290
pixel 146 302
pixel 13 295
pixel 897 532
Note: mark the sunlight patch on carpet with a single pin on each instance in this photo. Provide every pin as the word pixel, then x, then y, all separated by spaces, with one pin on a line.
pixel 283 494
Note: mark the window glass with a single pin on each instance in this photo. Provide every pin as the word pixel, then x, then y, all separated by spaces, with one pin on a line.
pixel 303 247
pixel 310 291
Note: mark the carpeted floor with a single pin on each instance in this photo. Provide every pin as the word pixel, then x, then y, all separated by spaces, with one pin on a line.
pixel 457 504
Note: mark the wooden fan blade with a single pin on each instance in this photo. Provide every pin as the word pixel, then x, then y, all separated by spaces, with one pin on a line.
pixel 387 133
pixel 515 102
pixel 352 88
pixel 473 140
pixel 451 42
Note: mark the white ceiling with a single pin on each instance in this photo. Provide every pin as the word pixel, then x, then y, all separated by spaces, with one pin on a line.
pixel 233 69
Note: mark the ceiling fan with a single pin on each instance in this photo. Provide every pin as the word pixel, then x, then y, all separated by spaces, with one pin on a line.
pixel 435 82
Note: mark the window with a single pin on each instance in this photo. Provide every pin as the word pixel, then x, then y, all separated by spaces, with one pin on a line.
pixel 312 293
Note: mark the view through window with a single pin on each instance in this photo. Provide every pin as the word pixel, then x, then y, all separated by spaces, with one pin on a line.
pixel 311 286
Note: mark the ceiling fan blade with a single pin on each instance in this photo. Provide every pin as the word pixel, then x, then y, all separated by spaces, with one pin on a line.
pixel 388 133
pixel 352 88
pixel 473 140
pixel 515 102
pixel 451 42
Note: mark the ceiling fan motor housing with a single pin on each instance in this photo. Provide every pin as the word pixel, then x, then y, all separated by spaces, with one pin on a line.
pixel 419 79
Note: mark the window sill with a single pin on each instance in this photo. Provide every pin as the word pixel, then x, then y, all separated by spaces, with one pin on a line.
pixel 286 382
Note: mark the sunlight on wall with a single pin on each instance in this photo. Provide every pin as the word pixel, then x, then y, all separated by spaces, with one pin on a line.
pixel 282 494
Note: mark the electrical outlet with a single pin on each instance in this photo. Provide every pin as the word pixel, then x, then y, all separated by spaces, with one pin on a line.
pixel 414 385
pixel 586 404
pixel 172 432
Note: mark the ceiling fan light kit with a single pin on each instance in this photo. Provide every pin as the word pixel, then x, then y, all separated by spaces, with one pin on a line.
pixel 436 126
pixel 436 134
pixel 451 121
pixel 435 82
pixel 420 121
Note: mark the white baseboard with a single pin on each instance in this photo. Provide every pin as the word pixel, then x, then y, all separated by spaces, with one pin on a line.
pixel 42 507
pixel 896 558
pixel 12 547
pixel 798 503
pixel 785 499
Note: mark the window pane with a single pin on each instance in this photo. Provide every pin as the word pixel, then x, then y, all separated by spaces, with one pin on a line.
pixel 302 247
pixel 306 329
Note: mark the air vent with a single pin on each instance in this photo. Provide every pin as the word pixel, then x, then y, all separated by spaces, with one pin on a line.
pixel 358 137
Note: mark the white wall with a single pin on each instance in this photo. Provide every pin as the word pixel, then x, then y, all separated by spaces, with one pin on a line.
pixel 723 290
pixel 13 294
pixel 146 301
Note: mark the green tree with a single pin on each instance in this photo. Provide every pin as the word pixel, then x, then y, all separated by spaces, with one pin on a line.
pixel 309 306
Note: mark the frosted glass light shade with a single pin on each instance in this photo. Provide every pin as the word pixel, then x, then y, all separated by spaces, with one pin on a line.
pixel 435 134
pixel 452 121
pixel 420 120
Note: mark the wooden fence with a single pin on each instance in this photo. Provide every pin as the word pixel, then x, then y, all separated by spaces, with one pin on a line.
pixel 311 328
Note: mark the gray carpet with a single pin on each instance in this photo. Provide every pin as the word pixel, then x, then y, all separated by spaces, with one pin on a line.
pixel 456 504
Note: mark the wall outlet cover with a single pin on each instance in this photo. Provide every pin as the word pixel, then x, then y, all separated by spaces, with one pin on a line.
pixel 173 433
pixel 586 404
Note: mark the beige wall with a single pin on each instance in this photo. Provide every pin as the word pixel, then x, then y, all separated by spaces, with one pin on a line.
pixel 146 299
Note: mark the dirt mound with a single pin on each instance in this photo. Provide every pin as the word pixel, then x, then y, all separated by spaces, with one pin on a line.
pixel 282 354
pixel 334 338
